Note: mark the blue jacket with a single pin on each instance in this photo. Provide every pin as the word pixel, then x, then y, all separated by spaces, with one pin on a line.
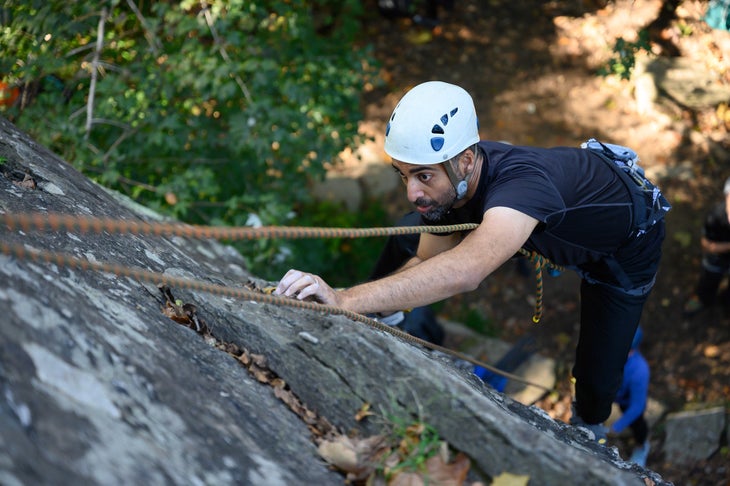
pixel 634 390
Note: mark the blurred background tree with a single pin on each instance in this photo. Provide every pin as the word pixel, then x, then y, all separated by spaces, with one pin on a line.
pixel 214 112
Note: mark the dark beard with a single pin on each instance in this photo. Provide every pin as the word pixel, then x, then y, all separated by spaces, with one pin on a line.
pixel 438 210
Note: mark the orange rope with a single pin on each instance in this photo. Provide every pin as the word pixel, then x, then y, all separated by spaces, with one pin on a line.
pixel 65 260
pixel 88 224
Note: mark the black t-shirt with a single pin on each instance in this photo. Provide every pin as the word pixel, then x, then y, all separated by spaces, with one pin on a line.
pixel 584 208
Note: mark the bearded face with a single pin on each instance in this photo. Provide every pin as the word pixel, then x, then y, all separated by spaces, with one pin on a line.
pixel 437 208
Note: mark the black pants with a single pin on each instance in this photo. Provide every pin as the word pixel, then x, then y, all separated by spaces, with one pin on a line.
pixel 609 317
pixel 714 269
pixel 608 322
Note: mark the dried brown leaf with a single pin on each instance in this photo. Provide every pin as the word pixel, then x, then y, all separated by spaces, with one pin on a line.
pixel 259 360
pixel 27 183
pixel 356 456
pixel 176 313
pixel 509 479
pixel 409 479
pixel 448 473
pixel 260 374
pixel 278 383
pixel 245 359
pixel 340 453
pixel 363 412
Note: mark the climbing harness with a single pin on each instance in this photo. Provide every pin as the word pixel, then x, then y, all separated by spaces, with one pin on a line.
pixel 86 224
pixel 649 205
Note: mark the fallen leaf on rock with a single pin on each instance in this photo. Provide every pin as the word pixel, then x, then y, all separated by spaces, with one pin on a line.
pixel 176 313
pixel 341 453
pixel 258 360
pixel 438 472
pixel 357 457
pixel 28 182
pixel 363 412
pixel 509 479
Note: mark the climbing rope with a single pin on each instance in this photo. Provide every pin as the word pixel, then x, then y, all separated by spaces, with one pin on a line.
pixel 65 260
pixel 539 262
pixel 88 224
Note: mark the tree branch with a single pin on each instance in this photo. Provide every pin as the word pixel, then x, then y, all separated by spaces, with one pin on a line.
pixel 94 72
pixel 224 54
pixel 151 38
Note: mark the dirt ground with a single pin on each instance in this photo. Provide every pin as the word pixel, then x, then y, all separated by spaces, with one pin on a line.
pixel 531 69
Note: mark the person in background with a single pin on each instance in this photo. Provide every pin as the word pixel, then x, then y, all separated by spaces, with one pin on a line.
pixel 586 208
pixel 632 399
pixel 715 258
pixel 420 321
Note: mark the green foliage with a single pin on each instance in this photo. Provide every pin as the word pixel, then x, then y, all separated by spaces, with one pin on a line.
pixel 340 261
pixel 624 56
pixel 214 112
pixel 413 443
pixel 475 319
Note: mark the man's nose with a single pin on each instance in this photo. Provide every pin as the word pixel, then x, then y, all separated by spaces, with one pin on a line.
pixel 414 189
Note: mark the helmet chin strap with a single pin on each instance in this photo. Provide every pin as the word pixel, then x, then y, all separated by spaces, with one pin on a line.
pixel 460 186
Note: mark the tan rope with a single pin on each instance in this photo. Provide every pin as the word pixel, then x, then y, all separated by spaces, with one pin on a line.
pixel 65 260
pixel 89 224
pixel 539 262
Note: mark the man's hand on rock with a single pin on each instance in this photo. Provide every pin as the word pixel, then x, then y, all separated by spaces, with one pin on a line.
pixel 306 286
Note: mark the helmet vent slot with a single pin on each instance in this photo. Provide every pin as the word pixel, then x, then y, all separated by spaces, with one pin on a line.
pixel 437 129
pixel 437 143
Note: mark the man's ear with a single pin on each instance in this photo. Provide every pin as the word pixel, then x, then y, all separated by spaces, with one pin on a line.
pixel 469 160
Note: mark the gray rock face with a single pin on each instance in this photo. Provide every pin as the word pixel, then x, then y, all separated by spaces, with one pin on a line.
pixel 99 386
pixel 694 435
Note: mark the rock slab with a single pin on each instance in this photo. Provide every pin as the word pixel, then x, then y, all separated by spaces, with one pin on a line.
pixel 99 386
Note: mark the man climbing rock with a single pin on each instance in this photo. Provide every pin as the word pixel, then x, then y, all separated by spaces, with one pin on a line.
pixel 589 209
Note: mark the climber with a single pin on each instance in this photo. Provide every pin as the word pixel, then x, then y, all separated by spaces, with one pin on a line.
pixel 589 209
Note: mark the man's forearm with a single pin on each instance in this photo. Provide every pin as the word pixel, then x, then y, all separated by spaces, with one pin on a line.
pixel 712 246
pixel 409 264
pixel 413 285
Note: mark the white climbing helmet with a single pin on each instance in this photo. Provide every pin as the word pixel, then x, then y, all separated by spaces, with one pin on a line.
pixel 432 123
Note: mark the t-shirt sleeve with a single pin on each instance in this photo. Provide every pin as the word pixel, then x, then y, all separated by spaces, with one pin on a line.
pixel 526 189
